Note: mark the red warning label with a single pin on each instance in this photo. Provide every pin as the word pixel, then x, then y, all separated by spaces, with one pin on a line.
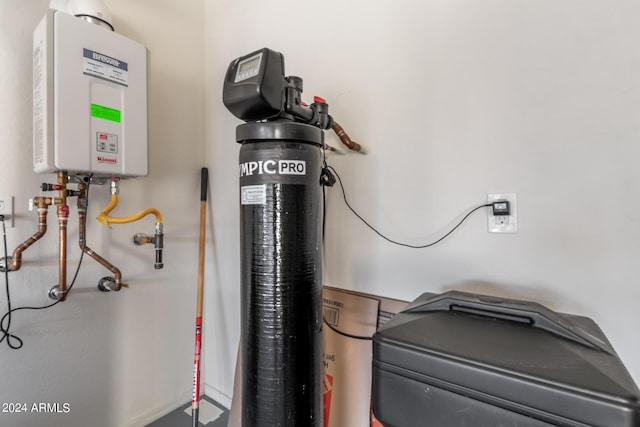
pixel 374 421
pixel 328 387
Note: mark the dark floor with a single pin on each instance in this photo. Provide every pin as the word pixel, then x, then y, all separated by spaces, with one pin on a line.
pixel 208 411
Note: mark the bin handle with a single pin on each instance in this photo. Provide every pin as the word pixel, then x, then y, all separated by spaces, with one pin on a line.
pixel 534 314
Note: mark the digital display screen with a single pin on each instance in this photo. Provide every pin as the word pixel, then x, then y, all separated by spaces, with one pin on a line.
pixel 105 113
pixel 248 68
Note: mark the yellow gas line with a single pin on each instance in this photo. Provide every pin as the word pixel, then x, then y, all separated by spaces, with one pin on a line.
pixel 107 220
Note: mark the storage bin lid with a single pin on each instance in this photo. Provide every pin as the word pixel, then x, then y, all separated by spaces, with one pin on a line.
pixel 515 354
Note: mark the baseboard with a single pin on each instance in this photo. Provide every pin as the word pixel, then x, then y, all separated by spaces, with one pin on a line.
pixel 218 396
pixel 160 411
pixel 164 409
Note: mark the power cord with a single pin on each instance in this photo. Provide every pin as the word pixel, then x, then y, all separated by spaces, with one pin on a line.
pixel 5 330
pixel 327 176
pixel 328 179
pixel 346 334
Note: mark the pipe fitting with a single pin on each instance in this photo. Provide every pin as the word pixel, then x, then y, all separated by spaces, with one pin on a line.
pixel 40 203
pixel 142 239
pixel 108 284
pixel 49 187
pixel 157 240
pixel 115 185
pixel 55 293
pixel 5 264
pixel 159 245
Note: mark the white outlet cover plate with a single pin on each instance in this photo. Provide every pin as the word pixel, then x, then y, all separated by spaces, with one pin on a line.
pixel 500 225
pixel 6 208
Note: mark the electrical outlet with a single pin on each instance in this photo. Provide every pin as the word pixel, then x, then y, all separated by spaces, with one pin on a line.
pixel 503 223
pixel 6 209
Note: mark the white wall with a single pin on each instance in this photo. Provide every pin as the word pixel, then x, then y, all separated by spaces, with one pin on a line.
pixel 119 359
pixel 453 99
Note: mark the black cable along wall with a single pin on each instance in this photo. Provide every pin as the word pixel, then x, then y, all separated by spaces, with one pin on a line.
pixel 280 220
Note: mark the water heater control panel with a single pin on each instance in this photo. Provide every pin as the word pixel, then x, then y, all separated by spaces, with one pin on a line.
pixel 89 100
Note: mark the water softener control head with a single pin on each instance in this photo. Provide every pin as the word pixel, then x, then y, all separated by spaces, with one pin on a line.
pixel 254 87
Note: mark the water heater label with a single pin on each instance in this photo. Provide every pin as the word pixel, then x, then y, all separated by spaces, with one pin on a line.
pixel 107 159
pixel 105 67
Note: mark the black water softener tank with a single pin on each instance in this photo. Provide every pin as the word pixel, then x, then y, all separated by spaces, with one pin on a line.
pixel 281 273
pixel 280 232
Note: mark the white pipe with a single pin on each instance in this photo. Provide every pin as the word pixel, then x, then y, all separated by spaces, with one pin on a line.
pixel 94 11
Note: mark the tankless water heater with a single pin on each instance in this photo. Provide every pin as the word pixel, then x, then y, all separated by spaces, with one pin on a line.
pixel 89 100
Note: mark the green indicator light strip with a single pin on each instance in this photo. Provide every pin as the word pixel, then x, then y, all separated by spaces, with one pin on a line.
pixel 105 113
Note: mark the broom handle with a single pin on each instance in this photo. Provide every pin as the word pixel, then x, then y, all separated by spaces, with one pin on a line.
pixel 195 402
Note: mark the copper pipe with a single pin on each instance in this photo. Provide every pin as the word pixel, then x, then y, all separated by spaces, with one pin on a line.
pixel 344 138
pixel 16 259
pixel 117 275
pixel 63 219
pixel 62 281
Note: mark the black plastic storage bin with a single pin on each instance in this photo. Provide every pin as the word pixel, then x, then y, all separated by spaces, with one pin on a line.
pixel 465 360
